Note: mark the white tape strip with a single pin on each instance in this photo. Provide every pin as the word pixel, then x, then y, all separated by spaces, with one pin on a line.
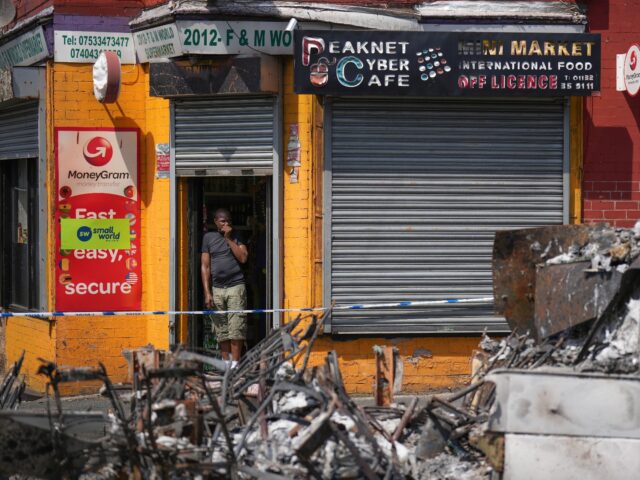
pixel 425 303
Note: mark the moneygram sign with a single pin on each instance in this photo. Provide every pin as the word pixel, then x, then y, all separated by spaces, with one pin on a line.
pixel 97 219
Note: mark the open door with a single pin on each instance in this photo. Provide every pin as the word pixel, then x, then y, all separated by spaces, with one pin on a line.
pixel 248 198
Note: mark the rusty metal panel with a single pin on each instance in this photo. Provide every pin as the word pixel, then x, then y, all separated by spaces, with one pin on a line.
pixel 566 295
pixel 515 256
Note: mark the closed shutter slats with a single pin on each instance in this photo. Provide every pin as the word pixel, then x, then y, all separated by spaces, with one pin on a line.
pixel 418 189
pixel 224 133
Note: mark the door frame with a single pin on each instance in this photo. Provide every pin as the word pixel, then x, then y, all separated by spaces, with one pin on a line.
pixel 178 221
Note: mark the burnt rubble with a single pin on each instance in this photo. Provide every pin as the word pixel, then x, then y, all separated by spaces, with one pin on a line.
pixel 12 386
pixel 606 248
pixel 273 417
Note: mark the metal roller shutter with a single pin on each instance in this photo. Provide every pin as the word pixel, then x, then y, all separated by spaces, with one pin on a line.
pixel 224 136
pixel 417 190
pixel 19 131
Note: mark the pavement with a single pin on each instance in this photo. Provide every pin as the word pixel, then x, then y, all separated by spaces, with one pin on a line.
pixel 100 403
pixel 80 403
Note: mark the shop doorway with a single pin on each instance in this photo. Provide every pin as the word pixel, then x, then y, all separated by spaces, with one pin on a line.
pixel 248 198
pixel 18 234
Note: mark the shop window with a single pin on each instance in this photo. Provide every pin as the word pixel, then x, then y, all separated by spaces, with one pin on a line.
pixel 18 235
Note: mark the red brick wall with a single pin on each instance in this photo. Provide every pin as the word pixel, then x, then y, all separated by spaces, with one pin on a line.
pixel 153 3
pixel 26 8
pixel 368 3
pixel 611 182
pixel 106 8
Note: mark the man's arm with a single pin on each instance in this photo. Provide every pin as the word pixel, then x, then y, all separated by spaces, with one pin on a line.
pixel 239 250
pixel 205 274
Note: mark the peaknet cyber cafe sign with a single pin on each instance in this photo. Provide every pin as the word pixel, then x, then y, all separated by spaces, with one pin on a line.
pixel 97 219
pixel 446 63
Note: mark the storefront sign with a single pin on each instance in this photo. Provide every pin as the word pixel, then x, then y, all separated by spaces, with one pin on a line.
pixel 94 234
pixel 27 49
pixel 97 179
pixel 446 63
pixel 223 37
pixel 85 47
pixel 219 37
pixel 632 70
pixel 157 43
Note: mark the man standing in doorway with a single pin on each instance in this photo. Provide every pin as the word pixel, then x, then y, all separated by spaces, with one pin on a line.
pixel 222 254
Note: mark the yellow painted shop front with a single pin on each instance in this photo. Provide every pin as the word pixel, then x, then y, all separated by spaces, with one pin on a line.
pixel 85 341
pixel 429 362
pixel 430 359
pixel 283 209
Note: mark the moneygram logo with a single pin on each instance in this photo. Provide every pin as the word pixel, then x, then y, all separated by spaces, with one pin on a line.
pixel 632 70
pixel 98 151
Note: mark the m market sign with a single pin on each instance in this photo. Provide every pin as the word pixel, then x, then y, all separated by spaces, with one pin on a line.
pixel 445 63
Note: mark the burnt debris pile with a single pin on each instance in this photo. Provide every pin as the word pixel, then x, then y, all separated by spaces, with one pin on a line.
pixel 273 417
pixel 12 386
pixel 189 415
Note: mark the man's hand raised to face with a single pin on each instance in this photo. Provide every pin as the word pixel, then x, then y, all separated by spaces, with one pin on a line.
pixel 226 231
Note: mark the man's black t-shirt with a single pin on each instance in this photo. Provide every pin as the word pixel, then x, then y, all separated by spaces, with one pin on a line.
pixel 225 269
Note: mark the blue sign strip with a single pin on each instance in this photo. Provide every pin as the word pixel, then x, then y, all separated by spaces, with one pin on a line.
pixel 425 303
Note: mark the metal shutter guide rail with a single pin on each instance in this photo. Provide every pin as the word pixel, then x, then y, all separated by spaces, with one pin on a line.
pixel 224 136
pixel 417 190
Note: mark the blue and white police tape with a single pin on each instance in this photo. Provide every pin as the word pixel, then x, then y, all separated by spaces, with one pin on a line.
pixel 363 306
